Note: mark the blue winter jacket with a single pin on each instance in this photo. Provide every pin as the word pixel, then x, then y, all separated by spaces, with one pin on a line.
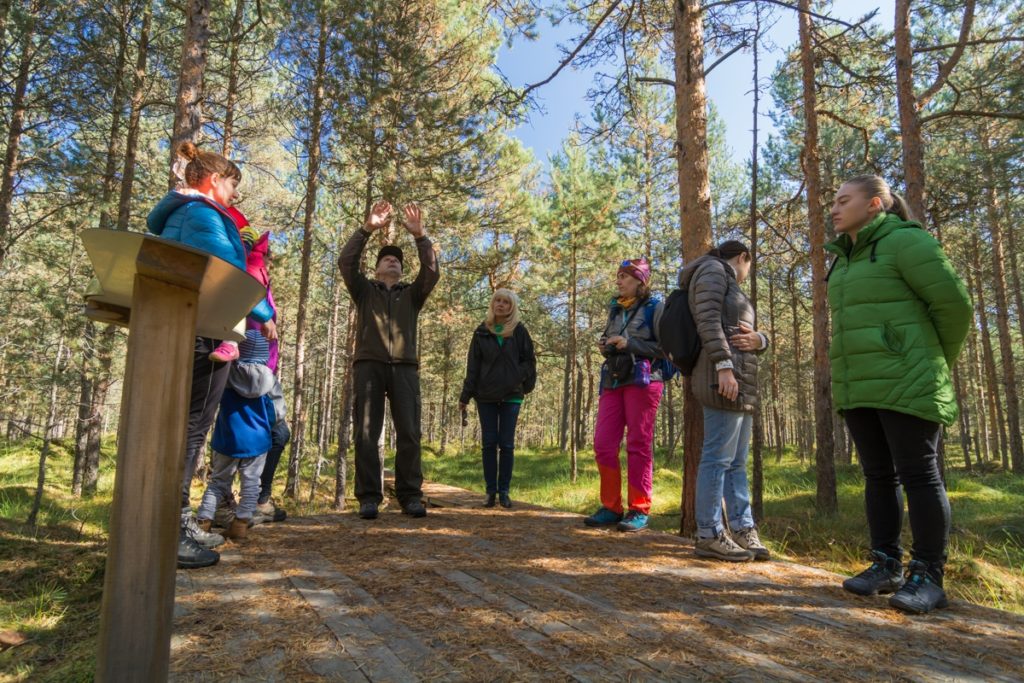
pixel 195 221
pixel 247 413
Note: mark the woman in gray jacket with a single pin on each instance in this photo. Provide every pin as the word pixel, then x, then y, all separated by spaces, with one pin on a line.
pixel 725 383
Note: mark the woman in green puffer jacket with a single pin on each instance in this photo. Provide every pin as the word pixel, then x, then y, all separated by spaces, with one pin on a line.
pixel 900 315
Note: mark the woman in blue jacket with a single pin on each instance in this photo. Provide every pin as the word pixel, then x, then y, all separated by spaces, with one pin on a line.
pixel 197 216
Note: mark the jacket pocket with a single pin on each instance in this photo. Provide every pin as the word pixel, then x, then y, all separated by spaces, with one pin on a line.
pixel 892 338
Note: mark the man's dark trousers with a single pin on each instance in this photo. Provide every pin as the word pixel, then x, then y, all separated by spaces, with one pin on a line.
pixel 399 383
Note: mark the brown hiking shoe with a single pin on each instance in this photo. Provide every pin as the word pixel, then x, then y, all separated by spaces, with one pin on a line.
pixel 268 512
pixel 721 547
pixel 751 542
pixel 239 529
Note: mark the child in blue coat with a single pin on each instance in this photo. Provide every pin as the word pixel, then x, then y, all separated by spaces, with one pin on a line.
pixel 242 435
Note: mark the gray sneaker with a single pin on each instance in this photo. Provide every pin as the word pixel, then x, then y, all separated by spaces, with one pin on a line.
pixel 190 528
pixel 749 540
pixel 721 547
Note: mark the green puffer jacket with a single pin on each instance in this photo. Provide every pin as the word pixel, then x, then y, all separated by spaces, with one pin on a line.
pixel 900 316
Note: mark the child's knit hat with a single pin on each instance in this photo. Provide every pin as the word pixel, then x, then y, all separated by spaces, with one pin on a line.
pixel 254 349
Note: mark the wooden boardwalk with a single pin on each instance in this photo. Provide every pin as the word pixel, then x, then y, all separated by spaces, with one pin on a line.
pixel 471 594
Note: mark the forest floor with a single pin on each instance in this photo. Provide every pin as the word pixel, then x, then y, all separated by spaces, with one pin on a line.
pixel 475 594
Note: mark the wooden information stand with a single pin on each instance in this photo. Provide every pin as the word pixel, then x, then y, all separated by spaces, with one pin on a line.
pixel 166 293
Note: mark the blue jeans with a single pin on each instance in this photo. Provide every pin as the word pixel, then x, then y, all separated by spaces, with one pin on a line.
pixel 498 433
pixel 723 472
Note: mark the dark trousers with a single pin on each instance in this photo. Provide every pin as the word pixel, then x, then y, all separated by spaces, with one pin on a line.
pixel 898 453
pixel 372 383
pixel 208 382
pixel 498 434
pixel 280 435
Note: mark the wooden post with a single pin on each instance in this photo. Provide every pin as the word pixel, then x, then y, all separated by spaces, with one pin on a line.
pixel 138 588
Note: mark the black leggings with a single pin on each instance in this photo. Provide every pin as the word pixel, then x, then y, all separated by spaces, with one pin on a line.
pixel 898 453
pixel 208 382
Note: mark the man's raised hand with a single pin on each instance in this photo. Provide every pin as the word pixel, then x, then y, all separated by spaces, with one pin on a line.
pixel 380 216
pixel 413 220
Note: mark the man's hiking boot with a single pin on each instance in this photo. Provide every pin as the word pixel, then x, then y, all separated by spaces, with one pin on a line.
pixel 414 508
pixel 751 542
pixel 885 575
pixel 191 555
pixel 204 537
pixel 722 547
pixel 368 510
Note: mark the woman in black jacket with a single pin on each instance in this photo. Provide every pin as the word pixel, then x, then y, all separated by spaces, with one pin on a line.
pixel 500 370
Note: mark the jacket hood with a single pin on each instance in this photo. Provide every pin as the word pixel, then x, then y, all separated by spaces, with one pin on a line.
pixel 251 380
pixel 172 201
pixel 686 277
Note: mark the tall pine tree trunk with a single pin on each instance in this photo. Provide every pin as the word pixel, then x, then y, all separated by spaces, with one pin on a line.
pixel 188 104
pixel 995 405
pixel 826 497
pixel 1009 374
pixel 312 185
pixel 15 129
pixel 694 208
pixel 233 66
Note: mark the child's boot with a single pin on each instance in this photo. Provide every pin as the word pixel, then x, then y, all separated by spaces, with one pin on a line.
pixel 238 530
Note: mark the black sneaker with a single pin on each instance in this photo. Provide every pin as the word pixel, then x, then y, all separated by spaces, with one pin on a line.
pixel 885 575
pixel 191 555
pixel 922 591
pixel 489 503
pixel 368 510
pixel 504 500
pixel 414 508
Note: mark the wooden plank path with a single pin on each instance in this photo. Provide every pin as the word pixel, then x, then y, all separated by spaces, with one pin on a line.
pixel 530 594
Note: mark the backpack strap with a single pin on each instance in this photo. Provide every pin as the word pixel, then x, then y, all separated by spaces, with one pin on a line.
pixel 831 268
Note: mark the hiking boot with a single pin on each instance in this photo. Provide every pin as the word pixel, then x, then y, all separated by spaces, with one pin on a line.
pixel 633 521
pixel 191 555
pixel 489 503
pixel 722 547
pixel 751 542
pixel 268 512
pixel 224 514
pixel 922 592
pixel 239 529
pixel 603 517
pixel 204 537
pixel 504 500
pixel 885 575
pixel 368 510
pixel 414 508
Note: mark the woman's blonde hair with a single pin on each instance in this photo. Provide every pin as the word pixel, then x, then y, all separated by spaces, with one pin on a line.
pixel 875 186
pixel 509 326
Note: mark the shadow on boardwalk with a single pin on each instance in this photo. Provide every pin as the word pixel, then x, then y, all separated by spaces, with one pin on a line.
pixel 474 594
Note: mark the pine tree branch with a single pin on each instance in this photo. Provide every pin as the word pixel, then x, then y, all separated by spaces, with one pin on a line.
pixel 572 55
pixel 947 67
pixel 974 113
pixel 724 57
pixel 978 41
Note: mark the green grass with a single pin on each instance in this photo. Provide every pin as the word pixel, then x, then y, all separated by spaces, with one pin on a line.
pixel 986 558
pixel 51 577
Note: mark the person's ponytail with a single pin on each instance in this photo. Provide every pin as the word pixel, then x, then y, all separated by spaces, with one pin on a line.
pixel 875 186
pixel 201 165
pixel 900 208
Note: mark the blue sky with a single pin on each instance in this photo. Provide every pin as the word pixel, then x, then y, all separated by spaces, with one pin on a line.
pixel 729 85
